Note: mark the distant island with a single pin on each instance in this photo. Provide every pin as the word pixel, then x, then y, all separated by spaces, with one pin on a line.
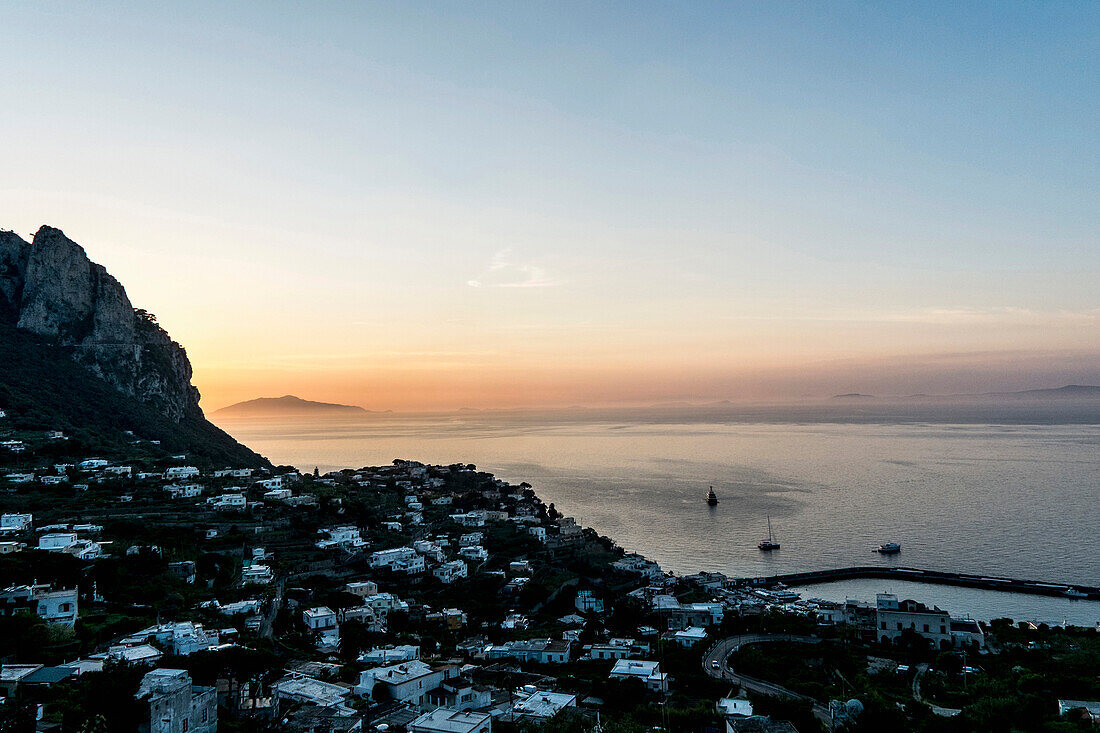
pixel 1068 392
pixel 288 405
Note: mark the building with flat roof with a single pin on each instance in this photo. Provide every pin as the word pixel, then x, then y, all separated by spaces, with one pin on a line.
pixel 541 706
pixel 299 688
pixel 646 672
pixel 408 682
pixel 442 720
pixel 894 618
pixel 177 706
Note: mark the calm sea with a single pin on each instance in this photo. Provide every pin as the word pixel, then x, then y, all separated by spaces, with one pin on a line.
pixel 1012 499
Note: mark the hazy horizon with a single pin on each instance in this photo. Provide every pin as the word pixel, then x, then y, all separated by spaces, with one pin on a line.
pixel 486 205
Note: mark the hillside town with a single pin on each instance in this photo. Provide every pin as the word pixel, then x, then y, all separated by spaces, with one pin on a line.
pixel 147 591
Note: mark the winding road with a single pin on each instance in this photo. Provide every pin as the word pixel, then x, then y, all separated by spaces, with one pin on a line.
pixel 945 712
pixel 722 650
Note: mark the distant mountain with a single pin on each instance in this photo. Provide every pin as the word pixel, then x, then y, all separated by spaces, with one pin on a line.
pixel 1070 391
pixel 76 355
pixel 852 396
pixel 1053 394
pixel 290 406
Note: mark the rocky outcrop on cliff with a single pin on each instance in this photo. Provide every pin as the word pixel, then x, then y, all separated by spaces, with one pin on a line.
pixel 51 288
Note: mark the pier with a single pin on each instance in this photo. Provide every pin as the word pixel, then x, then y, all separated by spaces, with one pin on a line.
pixel 916 575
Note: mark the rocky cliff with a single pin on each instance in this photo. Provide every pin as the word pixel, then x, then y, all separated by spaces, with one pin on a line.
pixel 76 356
pixel 50 288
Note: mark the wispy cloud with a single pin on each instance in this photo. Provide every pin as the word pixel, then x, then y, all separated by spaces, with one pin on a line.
pixel 503 272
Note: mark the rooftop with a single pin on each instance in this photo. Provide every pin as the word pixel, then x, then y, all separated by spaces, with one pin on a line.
pixel 450 721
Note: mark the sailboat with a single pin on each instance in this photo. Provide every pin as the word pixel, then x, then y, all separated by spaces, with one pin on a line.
pixel 712 498
pixel 769 543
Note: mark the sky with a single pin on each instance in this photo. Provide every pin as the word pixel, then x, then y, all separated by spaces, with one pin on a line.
pixel 419 206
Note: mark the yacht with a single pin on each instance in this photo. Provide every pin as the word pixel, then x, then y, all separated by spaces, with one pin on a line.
pixel 1074 593
pixel 888 548
pixel 712 498
pixel 770 543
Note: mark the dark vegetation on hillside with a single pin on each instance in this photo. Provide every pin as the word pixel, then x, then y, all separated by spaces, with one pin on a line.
pixel 41 388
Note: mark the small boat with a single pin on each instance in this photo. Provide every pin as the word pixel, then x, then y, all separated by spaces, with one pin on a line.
pixel 712 498
pixel 769 543
pixel 888 548
pixel 1074 593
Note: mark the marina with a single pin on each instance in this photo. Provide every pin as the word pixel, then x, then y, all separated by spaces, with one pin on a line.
pixel 936 577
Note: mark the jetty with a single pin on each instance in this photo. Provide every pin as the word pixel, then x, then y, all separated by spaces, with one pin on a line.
pixel 917 575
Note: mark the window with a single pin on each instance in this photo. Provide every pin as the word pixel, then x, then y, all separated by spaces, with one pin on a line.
pixel 884 625
pixel 899 625
pixel 926 628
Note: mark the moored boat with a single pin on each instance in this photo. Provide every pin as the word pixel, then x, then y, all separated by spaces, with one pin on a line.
pixel 770 543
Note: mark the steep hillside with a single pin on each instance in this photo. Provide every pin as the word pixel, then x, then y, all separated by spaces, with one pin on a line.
pixel 75 355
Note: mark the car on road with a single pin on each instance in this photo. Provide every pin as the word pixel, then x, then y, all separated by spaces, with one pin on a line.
pixel 715 664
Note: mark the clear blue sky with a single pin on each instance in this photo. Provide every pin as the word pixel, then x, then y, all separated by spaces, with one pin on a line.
pixel 446 187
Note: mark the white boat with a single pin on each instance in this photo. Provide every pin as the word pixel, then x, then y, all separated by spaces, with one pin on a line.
pixel 770 543
pixel 888 548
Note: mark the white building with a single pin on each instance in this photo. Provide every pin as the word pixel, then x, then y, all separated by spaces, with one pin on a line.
pixel 451 571
pixel 184 491
pixel 690 636
pixel 391 557
pixel 57 542
pixel 540 706
pixel 176 705
pixel 408 682
pixel 383 603
pixel 734 707
pixel 347 537
pixel 302 689
pixel 256 574
pixel 411 566
pixel 16 522
pixel 648 673
pixel 233 473
pixel 319 618
pixel 229 502
pixel 470 519
pixel 617 649
pixel 543 651
pixel 442 720
pixel 391 654
pixel 474 553
pixel 177 472
pixel 429 549
pixel 893 619
pixel 322 621
pixel 53 606
pixel 362 588
pixel 182 638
